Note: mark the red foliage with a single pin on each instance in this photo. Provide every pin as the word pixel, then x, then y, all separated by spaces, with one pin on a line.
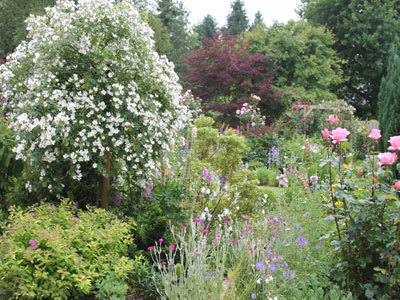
pixel 223 68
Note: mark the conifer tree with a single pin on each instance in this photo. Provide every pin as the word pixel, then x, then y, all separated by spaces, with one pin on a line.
pixel 207 27
pixel 237 19
pixel 258 19
pixel 389 99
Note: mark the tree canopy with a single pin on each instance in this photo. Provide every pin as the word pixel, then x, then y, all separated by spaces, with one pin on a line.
pixel 224 74
pixel 237 21
pixel 364 32
pixel 306 61
pixel 207 27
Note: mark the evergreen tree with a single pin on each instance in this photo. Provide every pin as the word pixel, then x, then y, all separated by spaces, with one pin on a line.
pixel 237 19
pixel 258 19
pixel 175 18
pixel 206 28
pixel 389 99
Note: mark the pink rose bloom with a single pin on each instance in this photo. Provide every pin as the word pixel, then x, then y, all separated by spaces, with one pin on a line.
pixel 325 133
pixel 333 119
pixel 387 158
pixel 339 135
pixel 375 134
pixel 397 185
pixel 395 143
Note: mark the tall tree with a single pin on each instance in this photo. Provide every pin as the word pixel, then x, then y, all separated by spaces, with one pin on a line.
pixel 389 99
pixel 307 62
pixel 175 18
pixel 237 19
pixel 364 31
pixel 12 21
pixel 224 74
pixel 206 28
pixel 258 19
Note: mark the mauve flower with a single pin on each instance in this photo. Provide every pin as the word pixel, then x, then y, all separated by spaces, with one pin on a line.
pixel 253 296
pixel 32 214
pixel 386 158
pixel 209 177
pixel 314 179
pixel 222 127
pixel 333 119
pixel 118 198
pixel 205 172
pixel 395 143
pixel 33 243
pixel 375 134
pixel 73 219
pixel 339 135
pixel 325 133
pixel 397 185
pixel 253 124
pixel 148 191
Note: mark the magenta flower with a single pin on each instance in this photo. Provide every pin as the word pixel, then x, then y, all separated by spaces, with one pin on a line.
pixel 397 185
pixel 148 191
pixel 196 220
pixel 33 243
pixel 117 200
pixel 198 254
pixel 386 158
pixel 333 119
pixel 183 226
pixel 161 240
pixel 231 240
pixel 226 221
pixel 395 143
pixel 150 248
pixel 245 218
pixel 339 135
pixel 163 263
pixel 205 172
pixel 325 133
pixel 222 127
pixel 74 219
pixel 209 177
pixel 204 230
pixel 32 214
pixel 172 247
pixel 375 134
pixel 250 249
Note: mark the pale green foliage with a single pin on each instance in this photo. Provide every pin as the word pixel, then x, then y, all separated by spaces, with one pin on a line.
pixel 111 288
pixel 237 21
pixel 74 249
pixel 305 58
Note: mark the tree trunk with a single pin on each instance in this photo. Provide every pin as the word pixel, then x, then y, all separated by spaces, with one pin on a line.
pixel 105 186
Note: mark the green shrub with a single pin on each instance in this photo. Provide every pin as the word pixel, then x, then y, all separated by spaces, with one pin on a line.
pixel 60 252
pixel 143 279
pixel 267 176
pixel 111 288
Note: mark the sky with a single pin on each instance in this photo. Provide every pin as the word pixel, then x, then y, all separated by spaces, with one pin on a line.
pixel 272 10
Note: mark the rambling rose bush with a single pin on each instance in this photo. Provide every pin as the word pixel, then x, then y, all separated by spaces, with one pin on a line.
pixel 88 88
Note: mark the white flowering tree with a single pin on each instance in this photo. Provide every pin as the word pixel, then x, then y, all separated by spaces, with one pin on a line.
pixel 88 88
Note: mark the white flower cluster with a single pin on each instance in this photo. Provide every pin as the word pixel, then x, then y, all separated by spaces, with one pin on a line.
pixel 88 82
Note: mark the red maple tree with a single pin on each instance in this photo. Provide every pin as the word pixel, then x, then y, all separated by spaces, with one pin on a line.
pixel 224 75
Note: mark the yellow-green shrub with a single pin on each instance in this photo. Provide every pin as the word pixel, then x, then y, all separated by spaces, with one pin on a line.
pixel 58 252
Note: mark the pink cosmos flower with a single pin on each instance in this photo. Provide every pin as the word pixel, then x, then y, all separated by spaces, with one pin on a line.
pixel 339 135
pixel 375 134
pixel 333 119
pixel 397 185
pixel 33 243
pixel 325 133
pixel 387 158
pixel 395 143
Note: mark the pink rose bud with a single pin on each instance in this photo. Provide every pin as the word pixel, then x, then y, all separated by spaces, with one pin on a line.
pixel 375 134
pixel 325 133
pixel 333 119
